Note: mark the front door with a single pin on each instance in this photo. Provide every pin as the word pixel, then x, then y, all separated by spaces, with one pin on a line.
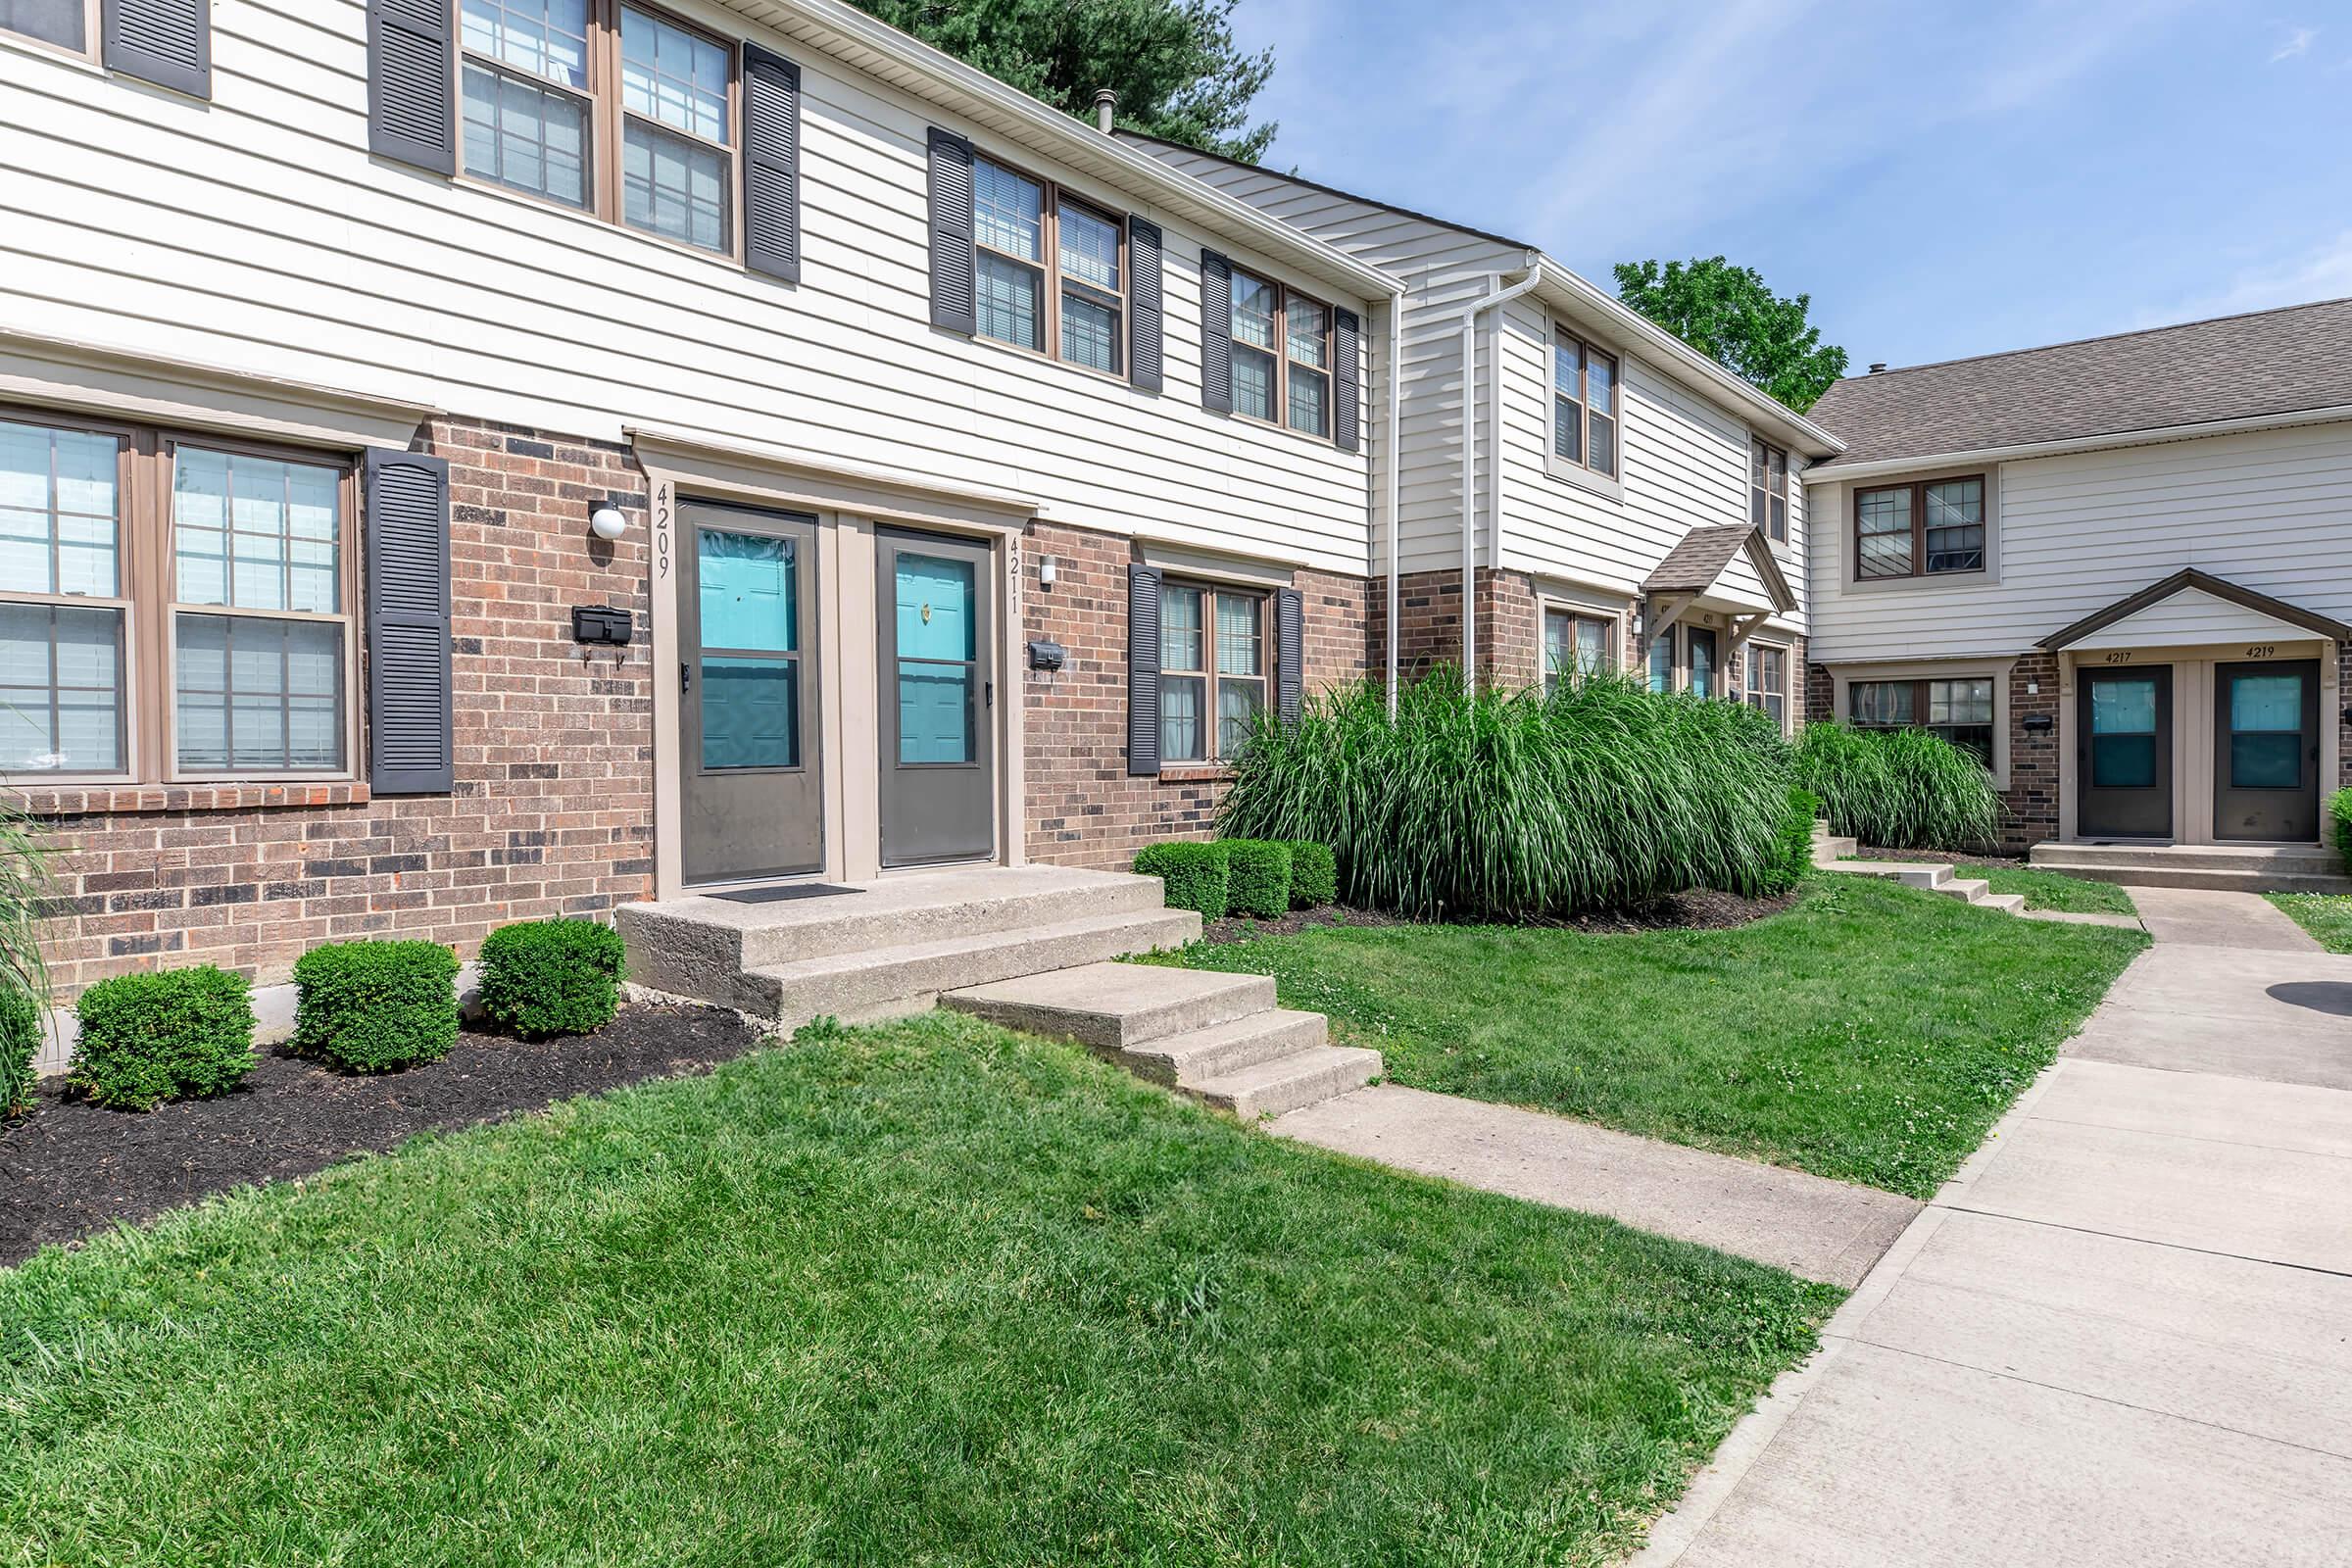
pixel 2265 751
pixel 2124 754
pixel 937 611
pixel 753 805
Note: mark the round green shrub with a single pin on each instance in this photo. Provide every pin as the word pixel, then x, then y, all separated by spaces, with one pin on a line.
pixel 1314 874
pixel 373 1006
pixel 182 1034
pixel 20 1043
pixel 1257 878
pixel 1195 875
pixel 552 977
pixel 2339 816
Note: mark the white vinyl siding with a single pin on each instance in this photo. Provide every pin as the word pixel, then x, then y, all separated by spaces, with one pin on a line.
pixel 2074 534
pixel 260 235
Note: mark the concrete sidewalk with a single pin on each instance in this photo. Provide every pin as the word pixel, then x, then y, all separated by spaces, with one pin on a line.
pixel 2123 1334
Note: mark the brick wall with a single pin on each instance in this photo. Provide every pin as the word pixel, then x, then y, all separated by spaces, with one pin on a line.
pixel 1081 807
pixel 552 808
pixel 2035 759
pixel 1510 631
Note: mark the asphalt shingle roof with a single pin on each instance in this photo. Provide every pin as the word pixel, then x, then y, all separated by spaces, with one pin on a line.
pixel 2237 367
pixel 1693 565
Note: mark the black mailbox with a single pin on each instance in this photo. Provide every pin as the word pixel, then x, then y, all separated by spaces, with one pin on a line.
pixel 602 626
pixel 2038 723
pixel 1047 656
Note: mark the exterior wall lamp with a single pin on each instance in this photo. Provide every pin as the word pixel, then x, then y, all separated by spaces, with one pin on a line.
pixel 607 521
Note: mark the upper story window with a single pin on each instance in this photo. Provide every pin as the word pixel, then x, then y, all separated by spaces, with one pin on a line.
pixel 1577 645
pixel 544 83
pixel 1041 256
pixel 1584 393
pixel 1212 670
pixel 1959 710
pixel 63 23
pixel 1768 490
pixel 1920 530
pixel 184 601
pixel 1282 355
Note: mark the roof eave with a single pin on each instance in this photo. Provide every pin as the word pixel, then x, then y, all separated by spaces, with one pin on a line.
pixel 2157 593
pixel 875 48
pixel 1879 467
pixel 1767 413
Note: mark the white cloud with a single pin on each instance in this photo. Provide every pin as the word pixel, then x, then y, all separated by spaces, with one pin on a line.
pixel 2298 42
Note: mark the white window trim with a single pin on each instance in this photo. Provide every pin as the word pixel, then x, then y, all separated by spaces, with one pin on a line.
pixel 1997 670
pixel 1849 564
pixel 1611 486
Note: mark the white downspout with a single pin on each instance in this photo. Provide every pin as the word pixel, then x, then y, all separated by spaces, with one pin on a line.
pixel 1470 315
pixel 1391 488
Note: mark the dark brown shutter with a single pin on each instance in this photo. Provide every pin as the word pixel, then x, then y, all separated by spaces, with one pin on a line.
pixel 1290 664
pixel 169 42
pixel 411 104
pixel 1347 402
pixel 1216 333
pixel 953 308
pixel 410 719
pixel 772 164
pixel 1143 671
pixel 1145 328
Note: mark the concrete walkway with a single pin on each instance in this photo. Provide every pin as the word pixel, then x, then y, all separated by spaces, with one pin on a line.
pixel 1808 1225
pixel 2123 1334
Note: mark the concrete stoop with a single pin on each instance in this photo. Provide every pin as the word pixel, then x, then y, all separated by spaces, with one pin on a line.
pixel 1219 1038
pixel 2213 868
pixel 892 948
pixel 1839 855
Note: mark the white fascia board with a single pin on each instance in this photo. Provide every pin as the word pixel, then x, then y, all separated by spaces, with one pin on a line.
pixel 2087 443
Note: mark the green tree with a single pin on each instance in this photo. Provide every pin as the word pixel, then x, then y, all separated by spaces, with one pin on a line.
pixel 1173 62
pixel 1727 314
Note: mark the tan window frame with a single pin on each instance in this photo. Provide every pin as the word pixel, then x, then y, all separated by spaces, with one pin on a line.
pixel 1576 398
pixel 1762 692
pixel 605 186
pixel 1206 673
pixel 1923 707
pixel 1574 620
pixel 1279 352
pixel 1052 201
pixel 146 595
pixel 1767 489
pixel 1917 490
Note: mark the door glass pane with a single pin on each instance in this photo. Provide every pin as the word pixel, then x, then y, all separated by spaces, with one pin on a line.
pixel 936 642
pixel 2123 762
pixel 1702 662
pixel 749 591
pixel 61 689
pixel 935 713
pixel 57 507
pixel 1662 663
pixel 58 21
pixel 2123 707
pixel 935 608
pixel 2266 761
pixel 2266 703
pixel 751 713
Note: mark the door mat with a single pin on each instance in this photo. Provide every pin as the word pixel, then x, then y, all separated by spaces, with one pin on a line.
pixel 780 894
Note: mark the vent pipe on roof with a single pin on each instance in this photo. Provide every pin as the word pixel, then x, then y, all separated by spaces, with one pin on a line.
pixel 1876 368
pixel 1107 105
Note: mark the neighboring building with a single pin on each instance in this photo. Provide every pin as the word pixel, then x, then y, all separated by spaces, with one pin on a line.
pixel 2119 570
pixel 1646 511
pixel 325 330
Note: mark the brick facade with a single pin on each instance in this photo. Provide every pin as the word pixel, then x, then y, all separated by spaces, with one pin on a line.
pixel 1081 807
pixel 1510 632
pixel 553 810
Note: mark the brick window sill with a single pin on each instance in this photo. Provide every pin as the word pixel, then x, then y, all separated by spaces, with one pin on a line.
pixel 101 798
pixel 1196 773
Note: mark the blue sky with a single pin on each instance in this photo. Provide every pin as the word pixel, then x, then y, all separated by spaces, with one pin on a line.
pixel 1945 180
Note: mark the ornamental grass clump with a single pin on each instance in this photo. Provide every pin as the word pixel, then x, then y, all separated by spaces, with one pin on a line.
pixel 1494 805
pixel 20 1043
pixel 1899 789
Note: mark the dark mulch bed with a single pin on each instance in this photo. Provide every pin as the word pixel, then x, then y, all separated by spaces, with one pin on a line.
pixel 70 1168
pixel 1699 909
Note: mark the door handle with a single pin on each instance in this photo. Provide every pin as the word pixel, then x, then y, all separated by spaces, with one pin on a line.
pixel 988 693
pixel 685 678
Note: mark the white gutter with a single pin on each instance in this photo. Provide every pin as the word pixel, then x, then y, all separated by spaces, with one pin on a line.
pixel 2155 436
pixel 1391 488
pixel 1470 315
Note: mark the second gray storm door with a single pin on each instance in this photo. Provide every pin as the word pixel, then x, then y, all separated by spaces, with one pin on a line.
pixel 753 797
pixel 935 609
pixel 2265 751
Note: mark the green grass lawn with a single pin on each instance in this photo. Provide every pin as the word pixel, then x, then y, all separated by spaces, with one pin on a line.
pixel 2042 890
pixel 2328 917
pixel 1873 1033
pixel 934 1294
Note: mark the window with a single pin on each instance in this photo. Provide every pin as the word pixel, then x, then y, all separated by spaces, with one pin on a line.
pixel 1661 661
pixel 171 608
pixel 1577 645
pixel 63 23
pixel 1041 257
pixel 1698 646
pixel 1583 406
pixel 1960 711
pixel 1768 682
pixel 1282 355
pixel 542 84
pixel 1911 530
pixel 1768 490
pixel 1212 670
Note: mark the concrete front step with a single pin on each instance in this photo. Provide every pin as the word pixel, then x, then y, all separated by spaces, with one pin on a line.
pixel 1910 873
pixel 684 943
pixel 911 977
pixel 2291 859
pixel 2189 876
pixel 1217 1037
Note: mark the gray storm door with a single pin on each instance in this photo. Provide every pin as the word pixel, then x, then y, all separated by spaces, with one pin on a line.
pixel 748 682
pixel 936 612
pixel 2265 751
pixel 2124 754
